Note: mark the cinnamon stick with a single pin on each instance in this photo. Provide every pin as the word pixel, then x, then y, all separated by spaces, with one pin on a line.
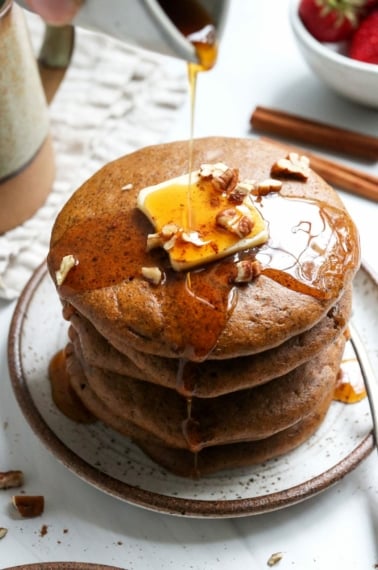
pixel 316 133
pixel 337 174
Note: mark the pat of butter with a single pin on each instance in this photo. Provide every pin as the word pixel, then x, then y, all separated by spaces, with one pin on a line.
pixel 192 205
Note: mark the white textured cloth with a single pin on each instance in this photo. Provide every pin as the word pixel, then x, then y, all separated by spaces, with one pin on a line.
pixel 114 99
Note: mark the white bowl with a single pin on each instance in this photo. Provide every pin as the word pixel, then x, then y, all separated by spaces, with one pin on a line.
pixel 355 80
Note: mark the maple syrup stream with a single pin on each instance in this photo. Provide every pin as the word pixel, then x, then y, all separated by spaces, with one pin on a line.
pixel 195 23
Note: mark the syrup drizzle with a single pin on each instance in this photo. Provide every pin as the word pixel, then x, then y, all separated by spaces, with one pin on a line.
pixel 195 23
pixel 206 50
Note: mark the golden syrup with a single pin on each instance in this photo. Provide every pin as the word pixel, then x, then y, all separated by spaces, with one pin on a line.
pixel 62 393
pixel 195 23
pixel 350 387
pixel 313 251
pixel 207 54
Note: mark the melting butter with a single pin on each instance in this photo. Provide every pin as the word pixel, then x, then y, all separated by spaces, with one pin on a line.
pixel 198 238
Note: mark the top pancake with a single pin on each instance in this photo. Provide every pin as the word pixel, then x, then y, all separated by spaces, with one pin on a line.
pixel 208 316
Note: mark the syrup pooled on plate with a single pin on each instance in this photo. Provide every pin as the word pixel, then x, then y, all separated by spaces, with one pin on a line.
pixel 350 387
pixel 63 394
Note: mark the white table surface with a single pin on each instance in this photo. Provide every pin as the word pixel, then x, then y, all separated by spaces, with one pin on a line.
pixel 259 64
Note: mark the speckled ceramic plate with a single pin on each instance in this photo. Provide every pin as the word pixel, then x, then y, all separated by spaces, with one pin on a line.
pixel 62 566
pixel 113 464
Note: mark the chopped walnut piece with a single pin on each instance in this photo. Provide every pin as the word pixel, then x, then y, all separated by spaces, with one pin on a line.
pixel 169 234
pixel 29 506
pixel 212 170
pixel 154 241
pixel 274 558
pixel 244 226
pixel 247 271
pixel 127 186
pixel 152 274
pixel 170 243
pixel 266 186
pixel 169 230
pixel 166 238
pixel 227 181
pixel 226 217
pixel 241 190
pixel 236 220
pixel 3 532
pixel 223 178
pixel 293 166
pixel 194 238
pixel 67 263
pixel 11 479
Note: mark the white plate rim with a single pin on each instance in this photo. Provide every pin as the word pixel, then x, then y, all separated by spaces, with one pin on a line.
pixel 63 566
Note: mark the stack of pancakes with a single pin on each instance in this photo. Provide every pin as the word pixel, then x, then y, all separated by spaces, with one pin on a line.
pixel 201 372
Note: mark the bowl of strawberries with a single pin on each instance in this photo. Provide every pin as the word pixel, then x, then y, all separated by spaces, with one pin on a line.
pixel 339 41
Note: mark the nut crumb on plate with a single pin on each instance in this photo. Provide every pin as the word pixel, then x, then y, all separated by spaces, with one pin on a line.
pixel 274 558
pixel 29 506
pixel 11 479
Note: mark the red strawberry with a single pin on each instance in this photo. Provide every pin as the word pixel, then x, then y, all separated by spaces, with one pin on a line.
pixel 371 4
pixel 364 44
pixel 331 20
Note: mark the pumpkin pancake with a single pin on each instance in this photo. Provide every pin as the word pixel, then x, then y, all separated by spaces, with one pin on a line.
pixel 246 415
pixel 213 377
pixel 210 459
pixel 225 457
pixel 303 275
